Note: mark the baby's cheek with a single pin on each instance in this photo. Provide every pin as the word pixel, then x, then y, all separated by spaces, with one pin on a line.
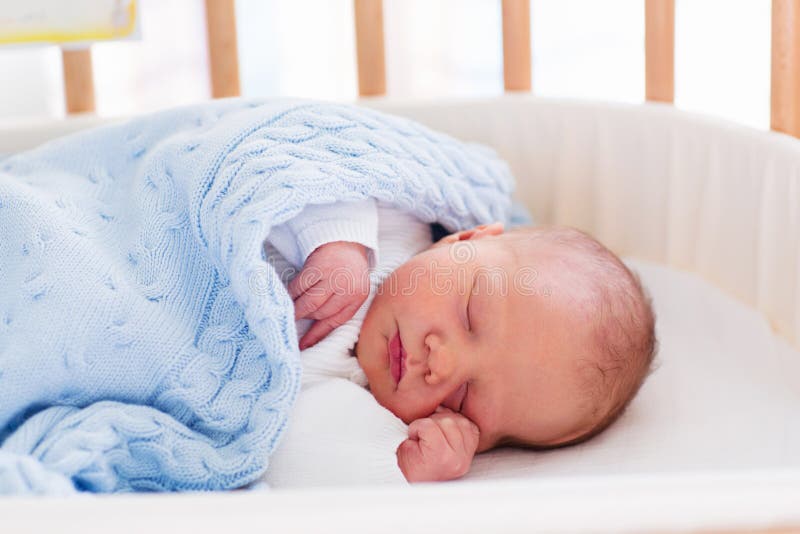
pixel 489 440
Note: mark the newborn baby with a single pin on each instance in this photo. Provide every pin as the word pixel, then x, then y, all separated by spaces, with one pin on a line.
pixel 534 337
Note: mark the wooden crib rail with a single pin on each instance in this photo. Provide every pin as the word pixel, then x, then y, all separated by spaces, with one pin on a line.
pixel 223 56
pixel 659 50
pixel 78 80
pixel 517 45
pixel 785 84
pixel 370 54
pixel 371 61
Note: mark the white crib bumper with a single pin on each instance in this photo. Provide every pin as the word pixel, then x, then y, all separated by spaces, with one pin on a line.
pixel 653 182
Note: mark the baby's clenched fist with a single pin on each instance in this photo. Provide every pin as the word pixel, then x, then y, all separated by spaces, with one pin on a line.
pixel 332 285
pixel 439 447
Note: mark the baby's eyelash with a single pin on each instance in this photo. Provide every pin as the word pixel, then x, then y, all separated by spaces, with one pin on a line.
pixel 469 319
pixel 469 302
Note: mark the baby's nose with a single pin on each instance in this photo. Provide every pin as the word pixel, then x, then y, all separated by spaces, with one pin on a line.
pixel 441 362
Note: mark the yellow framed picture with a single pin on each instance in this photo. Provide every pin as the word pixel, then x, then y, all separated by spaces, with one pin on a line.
pixel 75 21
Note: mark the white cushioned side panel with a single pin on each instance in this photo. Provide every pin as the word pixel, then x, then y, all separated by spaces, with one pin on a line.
pixel 19 135
pixel 724 396
pixel 650 181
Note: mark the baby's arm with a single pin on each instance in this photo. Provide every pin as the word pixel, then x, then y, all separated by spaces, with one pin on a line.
pixel 439 447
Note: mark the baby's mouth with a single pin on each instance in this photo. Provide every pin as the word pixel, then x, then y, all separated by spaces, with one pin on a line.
pixel 397 358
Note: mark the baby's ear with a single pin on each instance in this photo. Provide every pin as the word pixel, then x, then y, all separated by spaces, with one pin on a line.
pixel 478 232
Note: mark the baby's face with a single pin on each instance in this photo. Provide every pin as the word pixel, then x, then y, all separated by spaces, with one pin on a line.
pixel 471 325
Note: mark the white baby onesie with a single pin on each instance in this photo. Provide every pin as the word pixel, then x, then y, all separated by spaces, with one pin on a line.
pixel 338 433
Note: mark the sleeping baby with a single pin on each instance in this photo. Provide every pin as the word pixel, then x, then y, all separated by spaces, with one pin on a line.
pixel 171 362
pixel 535 337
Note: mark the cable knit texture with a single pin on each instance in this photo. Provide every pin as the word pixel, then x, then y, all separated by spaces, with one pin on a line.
pixel 145 344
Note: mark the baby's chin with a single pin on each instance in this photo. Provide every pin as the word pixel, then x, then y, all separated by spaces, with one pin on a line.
pixel 379 382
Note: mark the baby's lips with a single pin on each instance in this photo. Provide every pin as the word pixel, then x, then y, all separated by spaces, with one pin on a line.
pixel 395 357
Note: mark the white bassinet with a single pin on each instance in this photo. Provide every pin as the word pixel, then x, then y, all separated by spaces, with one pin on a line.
pixel 709 213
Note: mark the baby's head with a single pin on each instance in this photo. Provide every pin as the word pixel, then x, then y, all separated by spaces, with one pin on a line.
pixel 540 336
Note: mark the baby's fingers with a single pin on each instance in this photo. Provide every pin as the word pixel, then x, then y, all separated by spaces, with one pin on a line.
pixel 419 457
pixel 451 432
pixel 437 458
pixel 311 301
pixel 431 439
pixel 461 434
pixel 304 281
pixel 324 326
pixel 410 461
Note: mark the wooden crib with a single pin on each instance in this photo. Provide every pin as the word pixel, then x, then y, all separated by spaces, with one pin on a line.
pixel 371 62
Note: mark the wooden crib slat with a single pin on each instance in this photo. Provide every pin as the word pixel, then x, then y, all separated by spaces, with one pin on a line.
pixel 78 80
pixel 659 45
pixel 370 54
pixel 222 48
pixel 785 90
pixel 517 45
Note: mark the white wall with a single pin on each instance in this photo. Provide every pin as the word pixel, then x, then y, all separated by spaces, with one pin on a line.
pixel 303 48
pixel 722 58
pixel 31 82
pixel 167 67
pixel 581 48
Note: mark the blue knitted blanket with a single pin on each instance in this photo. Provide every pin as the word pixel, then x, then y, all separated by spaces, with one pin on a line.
pixel 145 344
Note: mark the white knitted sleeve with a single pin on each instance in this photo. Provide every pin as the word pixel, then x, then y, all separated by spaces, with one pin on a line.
pixel 317 224
pixel 338 435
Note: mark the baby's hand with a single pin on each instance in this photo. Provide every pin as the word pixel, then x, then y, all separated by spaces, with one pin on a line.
pixel 332 285
pixel 439 447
